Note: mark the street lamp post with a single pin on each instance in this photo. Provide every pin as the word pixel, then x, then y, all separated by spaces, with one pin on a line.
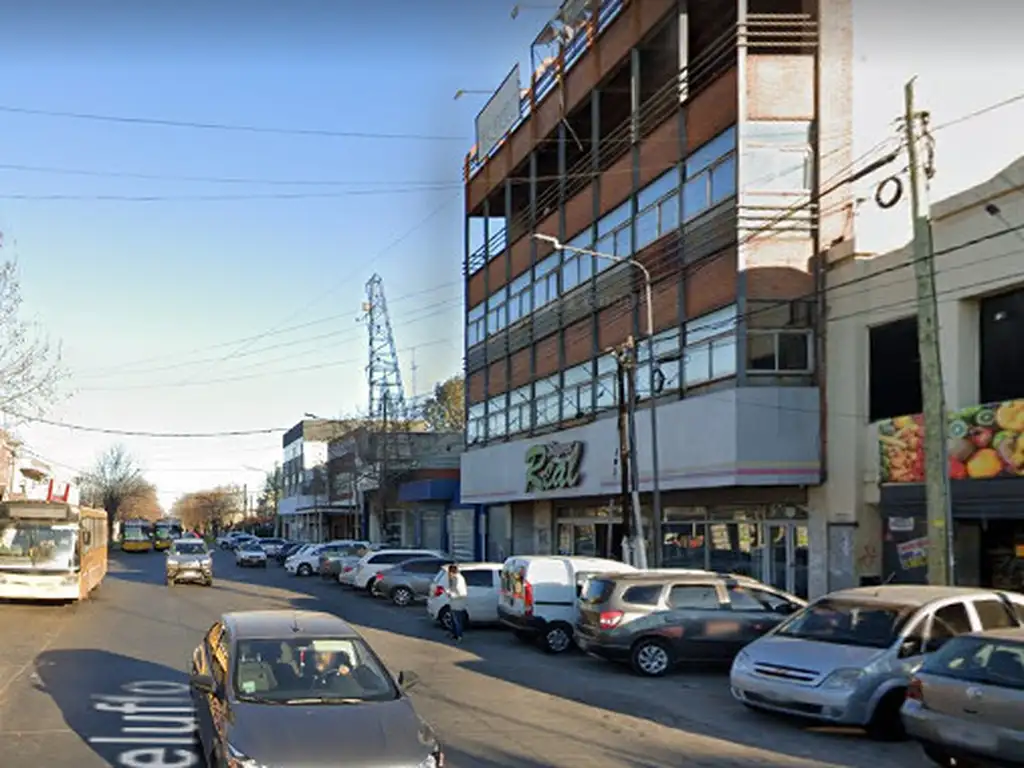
pixel 638 528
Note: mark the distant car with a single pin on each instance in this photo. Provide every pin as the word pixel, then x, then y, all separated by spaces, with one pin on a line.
pixel 287 550
pixel 302 688
pixel 189 560
pixel 250 553
pixel 272 545
pixel 410 581
pixel 374 563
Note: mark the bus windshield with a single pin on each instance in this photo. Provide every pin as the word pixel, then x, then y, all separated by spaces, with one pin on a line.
pixel 25 545
pixel 168 530
pixel 135 533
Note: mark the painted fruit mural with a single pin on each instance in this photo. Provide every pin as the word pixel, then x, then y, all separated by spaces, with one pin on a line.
pixel 984 441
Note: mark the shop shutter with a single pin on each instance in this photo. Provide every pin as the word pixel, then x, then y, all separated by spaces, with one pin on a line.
pixel 462 534
pixel 432 529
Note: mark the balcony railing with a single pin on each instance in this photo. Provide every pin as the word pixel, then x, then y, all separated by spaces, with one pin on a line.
pixel 984 442
pixel 762 32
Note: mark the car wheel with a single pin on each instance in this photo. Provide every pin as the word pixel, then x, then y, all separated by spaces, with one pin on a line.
pixel 305 569
pixel 402 596
pixel 445 619
pixel 558 638
pixel 886 722
pixel 651 658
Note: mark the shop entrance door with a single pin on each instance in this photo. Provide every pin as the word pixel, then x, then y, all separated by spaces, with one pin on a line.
pixel 590 539
pixel 784 563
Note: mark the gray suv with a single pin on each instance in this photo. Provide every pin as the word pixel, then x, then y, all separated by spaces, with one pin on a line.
pixel 189 560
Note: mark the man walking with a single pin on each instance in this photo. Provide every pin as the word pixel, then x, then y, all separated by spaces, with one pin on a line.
pixel 458 594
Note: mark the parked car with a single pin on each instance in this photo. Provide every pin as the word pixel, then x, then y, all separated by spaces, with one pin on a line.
pixel 188 560
pixel 223 541
pixel 373 563
pixel 268 689
pixel 234 540
pixel 655 620
pixel 331 555
pixel 287 550
pixel 306 561
pixel 964 705
pixel 272 545
pixel 250 554
pixel 410 581
pixel 483 582
pixel 846 659
pixel 346 564
pixel 538 596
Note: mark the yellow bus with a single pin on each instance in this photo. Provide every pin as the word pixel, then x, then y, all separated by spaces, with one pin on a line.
pixel 136 536
pixel 165 531
pixel 51 550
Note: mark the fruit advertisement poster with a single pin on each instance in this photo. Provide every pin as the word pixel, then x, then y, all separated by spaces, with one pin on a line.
pixel 984 442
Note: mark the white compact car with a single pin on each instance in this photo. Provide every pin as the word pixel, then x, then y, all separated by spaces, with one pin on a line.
pixel 250 554
pixel 483 581
pixel 364 574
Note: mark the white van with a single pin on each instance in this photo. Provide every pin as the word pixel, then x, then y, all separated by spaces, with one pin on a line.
pixel 538 599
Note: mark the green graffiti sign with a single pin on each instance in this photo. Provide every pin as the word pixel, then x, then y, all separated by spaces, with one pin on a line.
pixel 553 466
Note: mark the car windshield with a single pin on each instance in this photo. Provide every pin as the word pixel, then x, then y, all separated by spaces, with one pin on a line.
pixel 189 548
pixel 249 546
pixel 310 671
pixel 848 622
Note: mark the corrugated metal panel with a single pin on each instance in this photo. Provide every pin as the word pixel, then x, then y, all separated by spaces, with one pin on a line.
pixel 462 534
pixel 545 320
pixel 476 358
pixel 520 337
pixel 710 233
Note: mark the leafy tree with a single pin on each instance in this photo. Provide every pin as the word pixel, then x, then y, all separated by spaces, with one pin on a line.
pixel 30 368
pixel 210 510
pixel 144 505
pixel 273 487
pixel 445 410
pixel 114 479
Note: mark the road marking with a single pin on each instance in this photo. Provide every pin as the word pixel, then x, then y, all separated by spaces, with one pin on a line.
pixel 157 719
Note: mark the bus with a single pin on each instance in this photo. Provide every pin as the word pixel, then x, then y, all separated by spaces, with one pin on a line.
pixel 165 531
pixel 136 536
pixel 51 550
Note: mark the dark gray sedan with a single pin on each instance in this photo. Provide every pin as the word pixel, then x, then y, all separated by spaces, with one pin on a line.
pixel 303 688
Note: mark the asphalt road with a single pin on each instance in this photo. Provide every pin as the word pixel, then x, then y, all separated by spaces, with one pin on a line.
pixel 101 683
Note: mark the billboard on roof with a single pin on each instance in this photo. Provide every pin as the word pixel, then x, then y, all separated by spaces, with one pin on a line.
pixel 499 115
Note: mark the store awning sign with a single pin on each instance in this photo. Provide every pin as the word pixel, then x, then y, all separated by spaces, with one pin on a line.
pixel 554 466
pixel 984 442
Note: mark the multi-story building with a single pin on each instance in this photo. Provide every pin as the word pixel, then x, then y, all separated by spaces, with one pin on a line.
pixel 306 510
pixel 874 496
pixel 701 140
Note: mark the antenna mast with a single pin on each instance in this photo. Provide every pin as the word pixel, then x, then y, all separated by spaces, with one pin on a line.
pixel 383 376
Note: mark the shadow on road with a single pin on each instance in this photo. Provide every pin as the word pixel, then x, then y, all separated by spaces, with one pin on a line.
pixel 122 707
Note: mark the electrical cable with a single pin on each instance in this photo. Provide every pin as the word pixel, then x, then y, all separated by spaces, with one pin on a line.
pixel 979 112
pixel 215 126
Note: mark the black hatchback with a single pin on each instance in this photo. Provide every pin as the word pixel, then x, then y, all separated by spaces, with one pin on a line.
pixel 654 620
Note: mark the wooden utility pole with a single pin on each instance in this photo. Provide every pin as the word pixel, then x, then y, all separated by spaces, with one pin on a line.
pixel 625 500
pixel 941 564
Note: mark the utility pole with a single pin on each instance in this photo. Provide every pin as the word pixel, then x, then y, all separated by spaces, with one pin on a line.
pixel 625 499
pixel 382 485
pixel 639 551
pixel 941 565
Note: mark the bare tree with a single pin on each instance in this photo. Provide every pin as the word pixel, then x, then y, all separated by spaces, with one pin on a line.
pixel 144 505
pixel 209 510
pixel 31 369
pixel 114 479
pixel 273 485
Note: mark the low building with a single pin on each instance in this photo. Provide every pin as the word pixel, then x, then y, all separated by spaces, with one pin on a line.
pixel 874 495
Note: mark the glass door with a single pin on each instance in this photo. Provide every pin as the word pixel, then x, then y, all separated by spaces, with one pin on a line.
pixel 786 557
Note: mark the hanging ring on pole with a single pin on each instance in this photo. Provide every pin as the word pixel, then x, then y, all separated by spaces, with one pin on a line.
pixel 886 201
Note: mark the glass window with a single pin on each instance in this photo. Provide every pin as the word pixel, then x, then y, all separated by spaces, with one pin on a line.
pixel 706 155
pixel 868 624
pixel 696 197
pixel 475 424
pixel 735 548
pixel 694 597
pixel 741 599
pixel 519 410
pixel 683 545
pixel 624 242
pixel 710 174
pixel 948 622
pixel 723 180
pixel 583 239
pixel 710 347
pixel 475 325
pixel 607 388
pixel 711 324
pixel 545 402
pixel 577 391
pixel 614 219
pixel 994 614
pixel 646 227
pixel 497 425
pixel 646 594
pixel 979 660
pixel 479 578
pixel 658 188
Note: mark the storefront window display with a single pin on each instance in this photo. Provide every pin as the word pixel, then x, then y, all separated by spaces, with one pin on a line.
pixel 768 544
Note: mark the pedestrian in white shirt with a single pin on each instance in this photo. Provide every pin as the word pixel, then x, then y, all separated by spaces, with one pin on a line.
pixel 458 594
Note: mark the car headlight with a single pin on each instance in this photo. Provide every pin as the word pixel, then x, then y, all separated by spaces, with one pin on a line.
pixel 843 678
pixel 742 664
pixel 238 759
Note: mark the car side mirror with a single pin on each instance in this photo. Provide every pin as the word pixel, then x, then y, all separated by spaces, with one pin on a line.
pixel 909 648
pixel 408 679
pixel 202 683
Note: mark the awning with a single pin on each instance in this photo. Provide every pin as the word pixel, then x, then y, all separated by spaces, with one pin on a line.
pixel 428 490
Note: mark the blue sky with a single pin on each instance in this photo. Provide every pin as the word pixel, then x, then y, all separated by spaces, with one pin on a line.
pixel 140 293
pixel 145 295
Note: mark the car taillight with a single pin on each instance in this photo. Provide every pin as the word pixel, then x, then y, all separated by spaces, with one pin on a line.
pixel 610 619
pixel 438 591
pixel 528 598
pixel 379 576
pixel 915 691
pixel 347 568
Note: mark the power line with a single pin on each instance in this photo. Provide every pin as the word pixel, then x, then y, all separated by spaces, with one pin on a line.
pixel 215 126
pixel 146 433
pixel 979 112
pixel 218 198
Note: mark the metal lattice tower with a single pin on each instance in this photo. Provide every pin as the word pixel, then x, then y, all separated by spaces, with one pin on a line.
pixel 383 375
